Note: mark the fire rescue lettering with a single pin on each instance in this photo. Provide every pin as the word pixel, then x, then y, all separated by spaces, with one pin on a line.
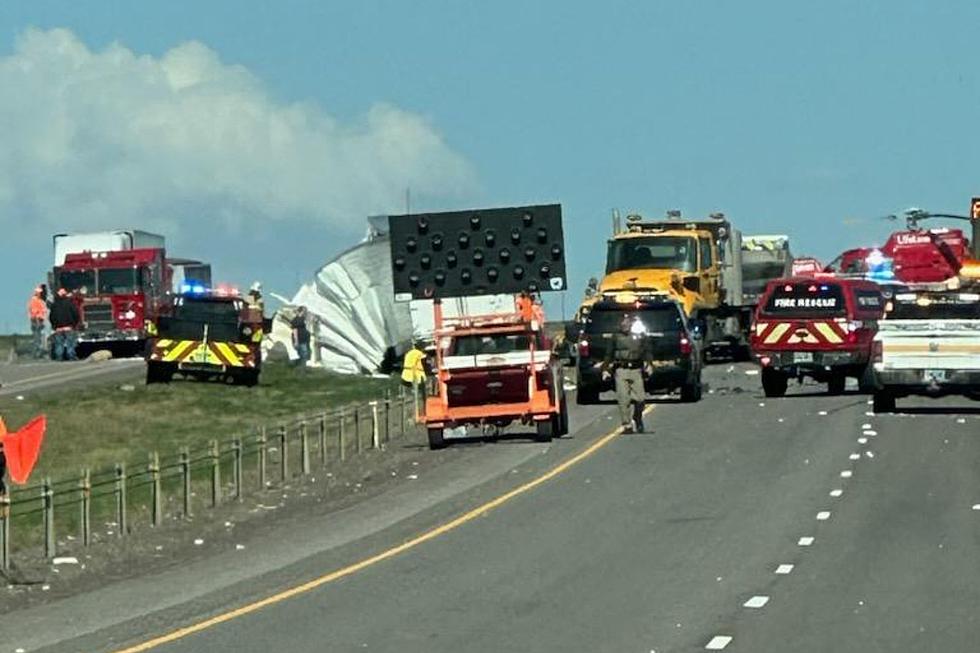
pixel 805 302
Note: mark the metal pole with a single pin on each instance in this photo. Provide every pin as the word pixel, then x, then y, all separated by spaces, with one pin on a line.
pixel 85 507
pixel 236 448
pixel 4 532
pixel 121 498
pixel 156 489
pixel 342 436
pixel 387 415
pixel 304 448
pixel 357 429
pixel 283 457
pixel 401 409
pixel 215 473
pixel 47 511
pixel 375 435
pixel 322 437
pixel 185 473
pixel 263 453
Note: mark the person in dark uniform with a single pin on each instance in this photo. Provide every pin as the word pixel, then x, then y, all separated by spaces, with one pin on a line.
pixel 625 361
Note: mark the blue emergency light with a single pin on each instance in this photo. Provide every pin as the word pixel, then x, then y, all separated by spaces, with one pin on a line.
pixel 193 288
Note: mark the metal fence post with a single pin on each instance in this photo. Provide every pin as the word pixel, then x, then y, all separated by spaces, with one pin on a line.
pixel 85 507
pixel 156 490
pixel 387 415
pixel 263 443
pixel 322 437
pixel 357 429
pixel 236 448
pixel 121 498
pixel 47 508
pixel 283 454
pixel 4 531
pixel 215 455
pixel 185 475
pixel 401 409
pixel 304 448
pixel 375 427
pixel 342 436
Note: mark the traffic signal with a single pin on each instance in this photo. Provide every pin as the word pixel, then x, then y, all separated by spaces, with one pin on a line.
pixel 477 252
pixel 975 208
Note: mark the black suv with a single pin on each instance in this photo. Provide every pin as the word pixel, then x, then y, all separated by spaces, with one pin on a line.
pixel 669 346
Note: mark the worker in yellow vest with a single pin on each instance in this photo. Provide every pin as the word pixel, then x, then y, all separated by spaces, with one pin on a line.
pixel 413 374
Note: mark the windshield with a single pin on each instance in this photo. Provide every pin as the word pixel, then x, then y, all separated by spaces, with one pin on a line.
pixel 806 300
pixel 502 343
pixel 660 319
pixel 935 308
pixel 80 281
pixel 653 253
pixel 122 281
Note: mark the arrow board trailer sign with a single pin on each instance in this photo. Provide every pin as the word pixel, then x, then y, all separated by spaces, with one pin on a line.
pixel 477 252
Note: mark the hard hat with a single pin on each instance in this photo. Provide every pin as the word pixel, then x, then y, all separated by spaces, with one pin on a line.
pixel 256 287
pixel 38 290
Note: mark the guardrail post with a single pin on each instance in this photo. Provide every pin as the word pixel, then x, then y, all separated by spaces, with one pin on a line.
pixel 304 448
pixel 4 531
pixel 47 510
pixel 322 437
pixel 85 507
pixel 156 490
pixel 283 454
pixel 342 435
pixel 236 449
pixel 375 427
pixel 121 498
pixel 357 430
pixel 401 409
pixel 185 476
pixel 263 443
pixel 215 455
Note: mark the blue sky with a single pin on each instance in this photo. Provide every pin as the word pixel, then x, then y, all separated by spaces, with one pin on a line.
pixel 789 117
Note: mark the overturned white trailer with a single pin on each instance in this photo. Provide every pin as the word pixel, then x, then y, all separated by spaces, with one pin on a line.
pixel 357 326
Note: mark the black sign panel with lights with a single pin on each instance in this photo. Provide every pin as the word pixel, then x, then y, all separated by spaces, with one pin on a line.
pixel 477 252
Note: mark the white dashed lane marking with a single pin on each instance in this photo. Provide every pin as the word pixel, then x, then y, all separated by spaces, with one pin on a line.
pixel 756 602
pixel 870 432
pixel 862 440
pixel 806 541
pixel 855 456
pixel 784 570
pixel 846 473
pixel 718 643
pixel 823 515
pixel 869 454
pixel 836 493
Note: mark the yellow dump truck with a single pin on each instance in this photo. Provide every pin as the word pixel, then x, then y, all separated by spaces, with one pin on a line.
pixel 698 262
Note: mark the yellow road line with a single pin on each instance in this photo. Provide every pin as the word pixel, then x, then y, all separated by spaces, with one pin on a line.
pixel 479 511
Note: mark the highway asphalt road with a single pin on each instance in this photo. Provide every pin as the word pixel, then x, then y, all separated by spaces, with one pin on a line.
pixel 29 376
pixel 738 524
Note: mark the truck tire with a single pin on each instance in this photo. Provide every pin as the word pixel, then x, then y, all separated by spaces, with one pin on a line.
pixel 247 378
pixel 691 392
pixel 436 439
pixel 587 395
pixel 774 383
pixel 545 430
pixel 883 402
pixel 158 373
pixel 836 384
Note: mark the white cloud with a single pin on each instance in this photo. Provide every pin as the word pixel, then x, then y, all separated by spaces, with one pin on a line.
pixel 114 138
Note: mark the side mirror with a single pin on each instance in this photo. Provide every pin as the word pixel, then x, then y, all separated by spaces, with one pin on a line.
pixel 692 283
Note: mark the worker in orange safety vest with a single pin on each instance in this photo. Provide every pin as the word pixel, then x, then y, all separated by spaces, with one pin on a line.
pixel 37 312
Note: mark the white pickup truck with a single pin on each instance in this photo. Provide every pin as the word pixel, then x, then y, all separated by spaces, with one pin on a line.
pixel 928 344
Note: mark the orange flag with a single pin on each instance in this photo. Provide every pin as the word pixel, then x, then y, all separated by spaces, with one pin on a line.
pixel 22 447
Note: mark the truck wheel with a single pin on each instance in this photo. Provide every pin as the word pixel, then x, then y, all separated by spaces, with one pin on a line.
pixel 158 373
pixel 774 383
pixel 836 384
pixel 545 430
pixel 586 395
pixel 248 378
pixel 691 392
pixel 883 402
pixel 436 439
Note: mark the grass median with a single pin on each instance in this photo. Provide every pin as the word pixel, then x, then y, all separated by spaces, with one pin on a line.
pixel 104 424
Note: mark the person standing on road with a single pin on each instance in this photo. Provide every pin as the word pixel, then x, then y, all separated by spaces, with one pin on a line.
pixel 37 312
pixel 625 361
pixel 254 297
pixel 65 320
pixel 301 336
